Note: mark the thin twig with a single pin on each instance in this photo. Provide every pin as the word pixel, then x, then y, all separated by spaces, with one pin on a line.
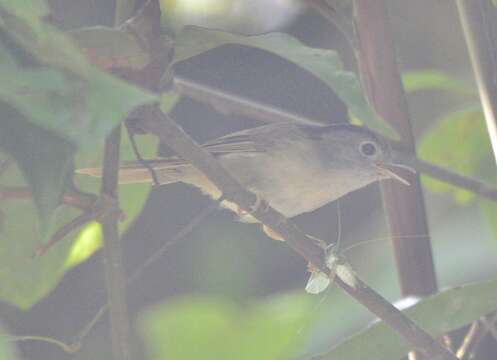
pixel 136 275
pixel 64 230
pixel 480 335
pixel 228 104
pixel 468 340
pixel 123 10
pixel 465 182
pixel 256 110
pixel 114 270
pixel 68 348
pixel 489 323
pixel 141 160
pixel 476 19
pixel 75 199
pixel 447 342
pixel 169 133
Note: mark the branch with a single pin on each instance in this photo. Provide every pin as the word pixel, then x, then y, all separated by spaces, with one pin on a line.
pixel 475 16
pixel 465 182
pixel 228 104
pixel 225 102
pixel 75 199
pixel 112 251
pixel 138 272
pixel 404 206
pixel 169 133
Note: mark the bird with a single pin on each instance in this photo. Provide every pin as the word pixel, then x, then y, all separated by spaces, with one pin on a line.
pixel 295 168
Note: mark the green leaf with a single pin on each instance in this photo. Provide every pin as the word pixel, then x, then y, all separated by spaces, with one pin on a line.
pixel 434 80
pixel 442 145
pixel 323 63
pixel 24 20
pixel 437 314
pixel 83 110
pixel 44 159
pixel 132 197
pixel 210 328
pixel 25 280
pixel 63 92
pixel 111 46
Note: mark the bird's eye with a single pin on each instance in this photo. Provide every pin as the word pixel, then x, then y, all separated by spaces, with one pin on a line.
pixel 368 149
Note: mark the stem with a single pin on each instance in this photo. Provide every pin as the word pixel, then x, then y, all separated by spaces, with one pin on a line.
pixel 171 134
pixel 475 21
pixel 404 205
pixel 229 103
pixel 113 264
pixel 416 336
pixel 112 252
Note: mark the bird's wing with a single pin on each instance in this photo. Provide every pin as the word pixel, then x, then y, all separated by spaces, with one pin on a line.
pixel 240 142
pixel 249 141
pixel 254 140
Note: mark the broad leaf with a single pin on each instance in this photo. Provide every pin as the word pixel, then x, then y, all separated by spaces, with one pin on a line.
pixel 437 314
pixel 323 63
pixel 25 280
pixel 442 145
pixel 44 159
pixel 83 110
pixel 24 20
pixel 209 328
pixel 63 92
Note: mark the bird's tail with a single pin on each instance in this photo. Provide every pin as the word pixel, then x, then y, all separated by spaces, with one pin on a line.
pixel 134 173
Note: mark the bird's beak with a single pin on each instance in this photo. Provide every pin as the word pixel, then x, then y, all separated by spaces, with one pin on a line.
pixel 387 170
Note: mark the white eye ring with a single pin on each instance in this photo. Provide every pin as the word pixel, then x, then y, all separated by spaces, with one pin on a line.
pixel 368 149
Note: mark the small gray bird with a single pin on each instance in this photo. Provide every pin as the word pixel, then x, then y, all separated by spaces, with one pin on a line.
pixel 295 168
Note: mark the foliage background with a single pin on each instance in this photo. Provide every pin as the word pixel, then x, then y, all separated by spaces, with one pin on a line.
pixel 234 262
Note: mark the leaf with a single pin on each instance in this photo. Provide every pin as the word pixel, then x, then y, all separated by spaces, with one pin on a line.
pixel 24 20
pixel 109 47
pixel 322 63
pixel 437 314
pixel 132 197
pixel 83 110
pixel 44 159
pixel 25 280
pixel 434 80
pixel 210 328
pixel 442 145
pixel 61 90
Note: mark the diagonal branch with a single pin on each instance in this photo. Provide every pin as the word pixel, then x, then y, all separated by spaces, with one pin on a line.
pixel 171 134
